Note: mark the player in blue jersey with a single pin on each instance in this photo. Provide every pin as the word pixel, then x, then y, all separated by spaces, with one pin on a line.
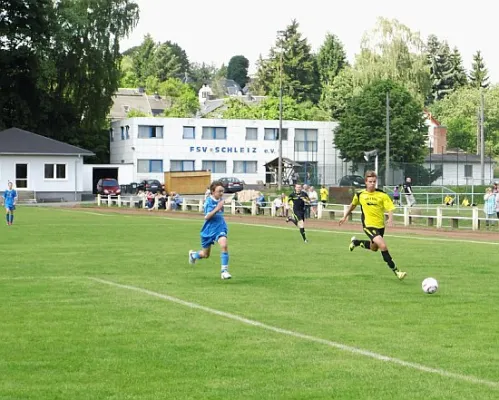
pixel 214 229
pixel 9 201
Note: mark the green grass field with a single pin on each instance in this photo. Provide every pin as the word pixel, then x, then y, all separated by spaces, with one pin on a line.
pixel 301 321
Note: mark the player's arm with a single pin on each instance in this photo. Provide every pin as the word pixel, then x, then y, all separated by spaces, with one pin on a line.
pixel 390 218
pixel 347 213
pixel 217 208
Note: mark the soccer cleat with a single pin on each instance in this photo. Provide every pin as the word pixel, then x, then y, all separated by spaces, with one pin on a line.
pixel 401 275
pixel 288 219
pixel 192 260
pixel 305 241
pixel 352 246
pixel 225 275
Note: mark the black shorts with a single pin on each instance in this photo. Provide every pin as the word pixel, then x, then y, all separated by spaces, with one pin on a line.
pixel 373 232
pixel 299 215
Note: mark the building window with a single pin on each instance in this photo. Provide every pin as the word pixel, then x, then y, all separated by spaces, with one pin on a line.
pixel 219 133
pixel 111 135
pixel 245 167
pixel 306 139
pixel 189 132
pixel 122 133
pixel 273 134
pixel 251 133
pixel 150 132
pixel 22 176
pixel 55 171
pixel 216 167
pixel 181 165
pixel 468 171
pixel 145 166
pixel 127 132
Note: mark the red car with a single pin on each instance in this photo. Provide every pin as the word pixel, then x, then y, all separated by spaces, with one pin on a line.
pixel 108 186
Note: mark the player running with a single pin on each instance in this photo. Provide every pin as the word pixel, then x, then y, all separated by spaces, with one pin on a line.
pixel 298 200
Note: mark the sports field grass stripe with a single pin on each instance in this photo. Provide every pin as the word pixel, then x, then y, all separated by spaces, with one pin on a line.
pixel 337 345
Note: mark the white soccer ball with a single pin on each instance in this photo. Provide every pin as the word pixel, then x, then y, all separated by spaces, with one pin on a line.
pixel 430 285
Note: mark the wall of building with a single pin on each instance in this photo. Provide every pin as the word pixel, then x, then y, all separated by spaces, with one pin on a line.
pixel 173 147
pixel 36 181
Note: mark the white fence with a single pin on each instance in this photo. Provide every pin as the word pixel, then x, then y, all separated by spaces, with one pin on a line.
pixel 403 215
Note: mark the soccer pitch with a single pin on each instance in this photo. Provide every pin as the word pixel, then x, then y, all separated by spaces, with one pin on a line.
pixel 105 306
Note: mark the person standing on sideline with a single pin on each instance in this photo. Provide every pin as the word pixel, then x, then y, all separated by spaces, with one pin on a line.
pixel 214 230
pixel 396 196
pixel 324 195
pixel 298 201
pixel 373 204
pixel 409 195
pixel 9 201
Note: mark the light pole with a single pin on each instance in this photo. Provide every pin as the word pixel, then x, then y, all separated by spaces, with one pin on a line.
pixel 368 155
pixel 279 166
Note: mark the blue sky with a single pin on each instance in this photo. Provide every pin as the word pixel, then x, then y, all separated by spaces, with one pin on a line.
pixel 214 31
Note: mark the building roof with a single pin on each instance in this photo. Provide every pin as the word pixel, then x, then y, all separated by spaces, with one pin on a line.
pixel 127 99
pixel 457 158
pixel 17 141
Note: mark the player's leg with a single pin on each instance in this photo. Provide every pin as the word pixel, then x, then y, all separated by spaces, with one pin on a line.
pixel 12 214
pixel 224 258
pixel 379 241
pixel 292 218
pixel 205 251
pixel 7 215
pixel 301 225
pixel 365 244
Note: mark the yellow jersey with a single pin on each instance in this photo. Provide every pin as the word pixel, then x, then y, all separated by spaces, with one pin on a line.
pixel 324 194
pixel 373 206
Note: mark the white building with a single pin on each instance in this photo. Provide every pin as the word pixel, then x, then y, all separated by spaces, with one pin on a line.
pixel 39 167
pixel 239 148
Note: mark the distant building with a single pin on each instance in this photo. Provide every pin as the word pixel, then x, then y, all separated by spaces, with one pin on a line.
pixel 128 99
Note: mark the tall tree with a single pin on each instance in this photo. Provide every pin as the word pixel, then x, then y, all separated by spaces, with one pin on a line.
pixel 479 74
pixel 392 51
pixel 183 101
pixel 143 59
pixel 336 94
pixel 238 70
pixel 292 57
pixel 165 63
pixel 363 125
pixel 331 59
pixel 181 56
pixel 458 72
pixel 441 69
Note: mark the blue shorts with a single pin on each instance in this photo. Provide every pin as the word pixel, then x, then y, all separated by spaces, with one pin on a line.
pixel 10 207
pixel 208 240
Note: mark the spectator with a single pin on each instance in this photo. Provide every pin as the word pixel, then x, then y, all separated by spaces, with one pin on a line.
pixel 396 196
pixel 449 200
pixel 489 207
pixel 409 195
pixel 312 195
pixel 278 206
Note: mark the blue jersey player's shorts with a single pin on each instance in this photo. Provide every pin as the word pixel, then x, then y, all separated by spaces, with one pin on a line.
pixel 10 207
pixel 210 238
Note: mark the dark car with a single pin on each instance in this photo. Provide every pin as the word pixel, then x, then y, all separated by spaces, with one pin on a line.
pixel 232 185
pixel 150 185
pixel 108 186
pixel 353 180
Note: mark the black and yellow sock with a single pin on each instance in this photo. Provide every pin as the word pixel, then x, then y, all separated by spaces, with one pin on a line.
pixel 302 232
pixel 388 259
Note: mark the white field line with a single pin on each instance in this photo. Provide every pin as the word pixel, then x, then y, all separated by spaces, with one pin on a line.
pixel 29 278
pixel 409 235
pixel 329 343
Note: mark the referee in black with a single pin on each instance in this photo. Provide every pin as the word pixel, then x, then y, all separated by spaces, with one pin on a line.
pixel 298 200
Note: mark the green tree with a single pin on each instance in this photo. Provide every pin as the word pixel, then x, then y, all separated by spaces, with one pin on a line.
pixel 331 59
pixel 201 74
pixel 165 63
pixel 143 59
pixel 363 125
pixel 459 73
pixel 183 101
pixel 291 56
pixel 238 70
pixel 392 51
pixel 479 73
pixel 336 95
pixel 441 69
pixel 181 55
pixel 128 78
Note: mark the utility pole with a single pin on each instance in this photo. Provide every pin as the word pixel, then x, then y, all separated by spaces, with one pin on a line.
pixel 279 167
pixel 482 139
pixel 387 150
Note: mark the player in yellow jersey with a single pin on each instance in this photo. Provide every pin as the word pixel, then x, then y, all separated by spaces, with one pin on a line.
pixel 324 194
pixel 373 203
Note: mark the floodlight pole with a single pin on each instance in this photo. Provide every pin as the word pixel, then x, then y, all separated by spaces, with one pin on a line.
pixel 376 168
pixel 279 167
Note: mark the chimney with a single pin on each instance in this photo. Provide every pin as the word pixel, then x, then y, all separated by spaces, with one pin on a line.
pixel 439 139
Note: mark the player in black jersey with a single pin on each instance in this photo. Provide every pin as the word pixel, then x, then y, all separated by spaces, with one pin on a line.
pixel 298 200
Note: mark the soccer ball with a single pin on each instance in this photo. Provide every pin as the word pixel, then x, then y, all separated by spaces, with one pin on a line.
pixel 430 285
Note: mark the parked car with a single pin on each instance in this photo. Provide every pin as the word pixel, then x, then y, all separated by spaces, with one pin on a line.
pixel 231 184
pixel 150 185
pixel 353 180
pixel 108 186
